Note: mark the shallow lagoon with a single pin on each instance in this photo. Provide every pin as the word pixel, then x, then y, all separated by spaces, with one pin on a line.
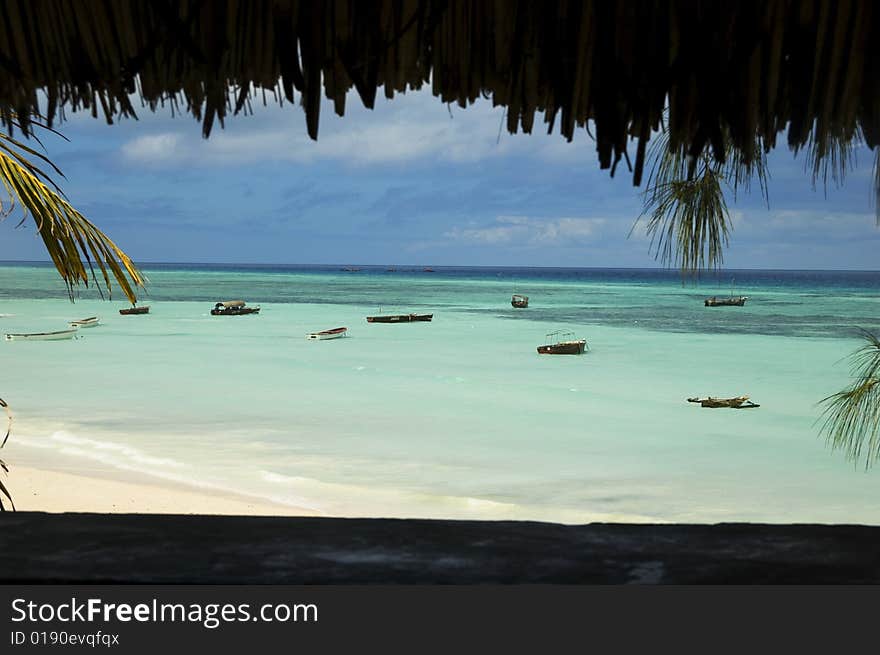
pixel 458 417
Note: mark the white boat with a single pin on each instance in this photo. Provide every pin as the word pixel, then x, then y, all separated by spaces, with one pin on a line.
pixel 335 333
pixel 91 321
pixel 43 336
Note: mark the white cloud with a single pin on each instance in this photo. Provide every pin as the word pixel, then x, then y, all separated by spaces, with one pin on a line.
pixel 579 229
pixel 799 224
pixel 152 148
pixel 784 217
pixel 530 231
pixel 411 127
pixel 488 235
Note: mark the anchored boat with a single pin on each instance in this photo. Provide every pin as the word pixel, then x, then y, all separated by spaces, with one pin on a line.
pixel 43 336
pixel 519 301
pixel 566 344
pixel 730 301
pixel 233 308
pixel 740 402
pixel 399 318
pixel 91 321
pixel 734 301
pixel 143 309
pixel 323 335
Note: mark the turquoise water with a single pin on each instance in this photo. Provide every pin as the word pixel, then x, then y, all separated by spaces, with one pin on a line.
pixel 458 417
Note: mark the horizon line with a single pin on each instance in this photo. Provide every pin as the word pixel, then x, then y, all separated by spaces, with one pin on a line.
pixel 49 263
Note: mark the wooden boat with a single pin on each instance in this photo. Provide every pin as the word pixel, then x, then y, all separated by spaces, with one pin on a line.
pixel 740 402
pixel 323 335
pixel 91 321
pixel 233 308
pixel 427 270
pixel 43 336
pixel 733 301
pixel 143 309
pixel 399 318
pixel 519 301
pixel 564 346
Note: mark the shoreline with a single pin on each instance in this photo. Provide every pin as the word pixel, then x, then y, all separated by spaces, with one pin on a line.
pixel 36 489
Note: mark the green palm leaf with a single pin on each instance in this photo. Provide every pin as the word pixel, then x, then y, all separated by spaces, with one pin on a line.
pixel 3 490
pixel 73 242
pixel 684 201
pixel 688 221
pixel 852 416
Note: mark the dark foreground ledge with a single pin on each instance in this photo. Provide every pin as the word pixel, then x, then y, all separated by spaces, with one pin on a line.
pixel 126 548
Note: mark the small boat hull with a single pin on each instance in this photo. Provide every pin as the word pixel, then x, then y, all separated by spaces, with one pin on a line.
pixel 43 336
pixel 234 311
pixel 564 348
pixel 233 308
pixel 520 302
pixel 400 318
pixel 92 321
pixel 740 402
pixel 323 335
pixel 737 301
pixel 143 309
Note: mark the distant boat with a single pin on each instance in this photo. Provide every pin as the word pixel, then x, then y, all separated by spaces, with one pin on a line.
pixel 350 269
pixel 565 345
pixel 233 308
pixel 143 309
pixel 92 321
pixel 733 301
pixel 323 335
pixel 399 318
pixel 519 301
pixel 43 336
pixel 740 402
pixel 427 270
pixel 730 301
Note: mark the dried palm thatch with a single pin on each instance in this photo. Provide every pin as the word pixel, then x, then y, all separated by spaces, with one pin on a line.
pixel 731 73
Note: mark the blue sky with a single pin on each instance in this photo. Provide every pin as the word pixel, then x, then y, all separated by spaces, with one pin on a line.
pixel 411 182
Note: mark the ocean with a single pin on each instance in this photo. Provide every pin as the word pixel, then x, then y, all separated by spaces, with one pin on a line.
pixel 458 417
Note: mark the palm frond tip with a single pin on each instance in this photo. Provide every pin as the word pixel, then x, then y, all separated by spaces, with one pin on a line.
pixel 73 242
pixel 688 221
pixel 851 418
pixel 3 490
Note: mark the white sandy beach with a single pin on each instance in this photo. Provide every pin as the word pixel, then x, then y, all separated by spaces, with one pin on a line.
pixel 43 490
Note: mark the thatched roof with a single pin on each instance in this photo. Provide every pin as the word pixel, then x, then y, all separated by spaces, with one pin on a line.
pixel 727 70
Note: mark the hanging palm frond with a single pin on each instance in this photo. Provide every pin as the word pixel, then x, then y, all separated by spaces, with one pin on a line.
pixel 832 154
pixel 684 201
pixel 73 242
pixel 877 184
pixel 8 411
pixel 852 416
pixel 740 171
pixel 3 490
pixel 687 217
